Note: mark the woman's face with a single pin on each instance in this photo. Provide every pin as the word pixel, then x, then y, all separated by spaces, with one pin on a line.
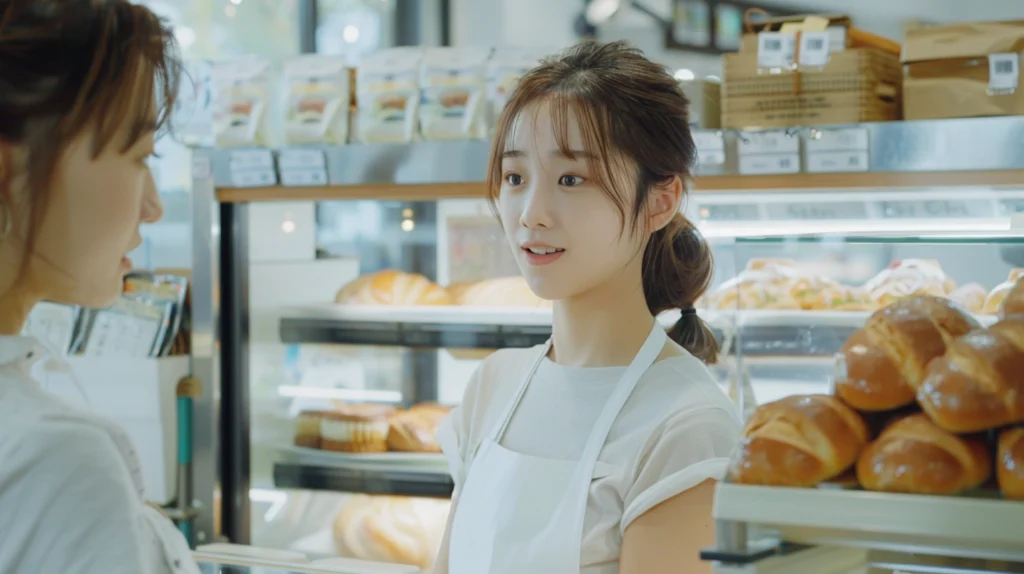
pixel 565 231
pixel 92 221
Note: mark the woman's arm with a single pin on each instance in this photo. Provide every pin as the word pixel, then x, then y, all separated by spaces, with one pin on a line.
pixel 669 537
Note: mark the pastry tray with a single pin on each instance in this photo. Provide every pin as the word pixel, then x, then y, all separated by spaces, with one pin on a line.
pixel 964 526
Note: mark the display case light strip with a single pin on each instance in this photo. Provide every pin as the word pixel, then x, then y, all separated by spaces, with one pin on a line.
pixel 784 228
pixel 294 391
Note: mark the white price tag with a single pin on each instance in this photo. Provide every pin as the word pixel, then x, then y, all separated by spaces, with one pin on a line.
pixel 775 50
pixel 842 139
pixel 253 178
pixel 771 163
pixel 301 159
pixel 768 142
pixel 1003 72
pixel 303 177
pixel 242 159
pixel 837 161
pixel 201 167
pixel 814 49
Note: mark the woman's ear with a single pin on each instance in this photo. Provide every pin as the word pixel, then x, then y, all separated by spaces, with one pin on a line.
pixel 664 202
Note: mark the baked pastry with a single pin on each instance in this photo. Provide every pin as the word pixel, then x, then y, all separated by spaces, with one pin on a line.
pixel 882 364
pixel 978 384
pixel 801 440
pixel 923 273
pixel 1014 302
pixel 971 297
pixel 307 429
pixel 813 293
pixel 1010 463
pixel 846 298
pixel 502 292
pixel 391 529
pixel 913 455
pixel 356 428
pixel 393 287
pixel 752 291
pixel 1001 292
pixel 775 265
pixel 415 430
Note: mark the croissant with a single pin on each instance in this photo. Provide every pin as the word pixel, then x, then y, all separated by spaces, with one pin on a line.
pixel 978 385
pixel 801 440
pixel 393 287
pixel 913 455
pixel 881 365
pixel 970 296
pixel 1000 293
pixel 1010 463
pixel 1013 304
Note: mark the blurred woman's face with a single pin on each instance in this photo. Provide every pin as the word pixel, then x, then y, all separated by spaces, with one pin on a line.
pixel 91 220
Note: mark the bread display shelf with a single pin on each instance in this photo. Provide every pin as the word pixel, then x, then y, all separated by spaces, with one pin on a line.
pixel 966 527
pixel 365 478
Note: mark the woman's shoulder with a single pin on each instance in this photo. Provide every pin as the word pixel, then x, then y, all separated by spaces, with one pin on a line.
pixel 679 386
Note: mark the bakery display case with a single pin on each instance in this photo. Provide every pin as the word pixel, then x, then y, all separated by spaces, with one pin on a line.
pixel 355 303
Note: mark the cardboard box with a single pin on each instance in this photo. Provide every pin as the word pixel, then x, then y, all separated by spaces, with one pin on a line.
pixel 705 103
pixel 946 72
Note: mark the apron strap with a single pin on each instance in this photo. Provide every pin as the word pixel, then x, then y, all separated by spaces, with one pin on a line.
pixel 506 417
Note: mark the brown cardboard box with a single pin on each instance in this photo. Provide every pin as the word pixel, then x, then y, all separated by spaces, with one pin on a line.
pixel 705 103
pixel 946 70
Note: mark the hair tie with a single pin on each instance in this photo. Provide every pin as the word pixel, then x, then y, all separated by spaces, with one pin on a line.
pixel 689 311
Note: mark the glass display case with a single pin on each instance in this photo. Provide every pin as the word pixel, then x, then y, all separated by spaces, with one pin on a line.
pixel 297 338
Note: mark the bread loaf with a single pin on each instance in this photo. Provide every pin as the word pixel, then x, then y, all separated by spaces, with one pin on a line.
pixel 391 529
pixel 882 364
pixel 913 455
pixel 1010 463
pixel 393 287
pixel 501 292
pixel 798 441
pixel 1013 304
pixel 978 385
pixel 994 301
pixel 415 430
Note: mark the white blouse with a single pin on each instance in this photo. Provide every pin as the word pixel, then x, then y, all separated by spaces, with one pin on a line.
pixel 71 486
pixel 677 430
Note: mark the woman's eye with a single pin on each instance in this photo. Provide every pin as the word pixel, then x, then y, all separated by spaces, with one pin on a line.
pixel 570 180
pixel 514 179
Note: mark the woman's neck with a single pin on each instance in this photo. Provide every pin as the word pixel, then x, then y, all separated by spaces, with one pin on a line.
pixel 16 302
pixel 604 327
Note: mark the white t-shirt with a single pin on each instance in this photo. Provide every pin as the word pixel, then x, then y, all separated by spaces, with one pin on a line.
pixel 70 486
pixel 677 429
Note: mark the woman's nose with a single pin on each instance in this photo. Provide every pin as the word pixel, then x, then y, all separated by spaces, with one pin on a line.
pixel 537 211
pixel 152 208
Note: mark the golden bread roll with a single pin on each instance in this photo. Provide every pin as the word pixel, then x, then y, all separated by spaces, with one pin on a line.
pixel 913 455
pixel 415 430
pixel 882 364
pixel 801 440
pixel 393 287
pixel 994 301
pixel 979 384
pixel 1013 304
pixel 970 296
pixel 502 292
pixel 1010 463
pixel 391 529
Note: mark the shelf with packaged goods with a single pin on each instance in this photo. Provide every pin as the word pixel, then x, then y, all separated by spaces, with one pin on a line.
pixel 965 527
pixel 976 152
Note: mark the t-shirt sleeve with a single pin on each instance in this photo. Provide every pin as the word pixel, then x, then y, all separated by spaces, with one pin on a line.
pixel 684 451
pixel 453 434
pixel 79 510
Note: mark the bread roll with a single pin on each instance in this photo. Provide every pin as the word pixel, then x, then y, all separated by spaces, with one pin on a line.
pixel 1013 304
pixel 798 441
pixel 415 430
pixel 913 455
pixel 393 287
pixel 391 529
pixel 882 364
pixel 979 384
pixel 1010 463
pixel 994 301
pixel 971 297
pixel 502 292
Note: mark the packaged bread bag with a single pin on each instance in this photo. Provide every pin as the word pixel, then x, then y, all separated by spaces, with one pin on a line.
pixel 452 93
pixel 317 100
pixel 504 69
pixel 387 96
pixel 244 102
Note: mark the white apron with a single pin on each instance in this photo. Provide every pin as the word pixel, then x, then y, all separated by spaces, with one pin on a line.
pixel 519 513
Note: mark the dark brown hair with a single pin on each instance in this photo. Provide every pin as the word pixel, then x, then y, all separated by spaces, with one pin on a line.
pixel 71 65
pixel 632 114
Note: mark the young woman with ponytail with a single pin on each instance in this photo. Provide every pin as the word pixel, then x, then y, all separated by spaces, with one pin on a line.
pixel 598 451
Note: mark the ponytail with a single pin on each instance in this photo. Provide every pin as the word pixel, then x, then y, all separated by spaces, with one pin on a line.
pixel 678 268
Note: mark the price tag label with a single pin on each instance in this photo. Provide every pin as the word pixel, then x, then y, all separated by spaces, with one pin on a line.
pixel 934 209
pixel 245 159
pixel 775 50
pixel 303 177
pixel 837 162
pixel 301 159
pixel 842 139
pixel 1003 72
pixel 730 212
pixel 253 178
pixel 768 142
pixel 814 49
pixel 826 210
pixel 769 164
